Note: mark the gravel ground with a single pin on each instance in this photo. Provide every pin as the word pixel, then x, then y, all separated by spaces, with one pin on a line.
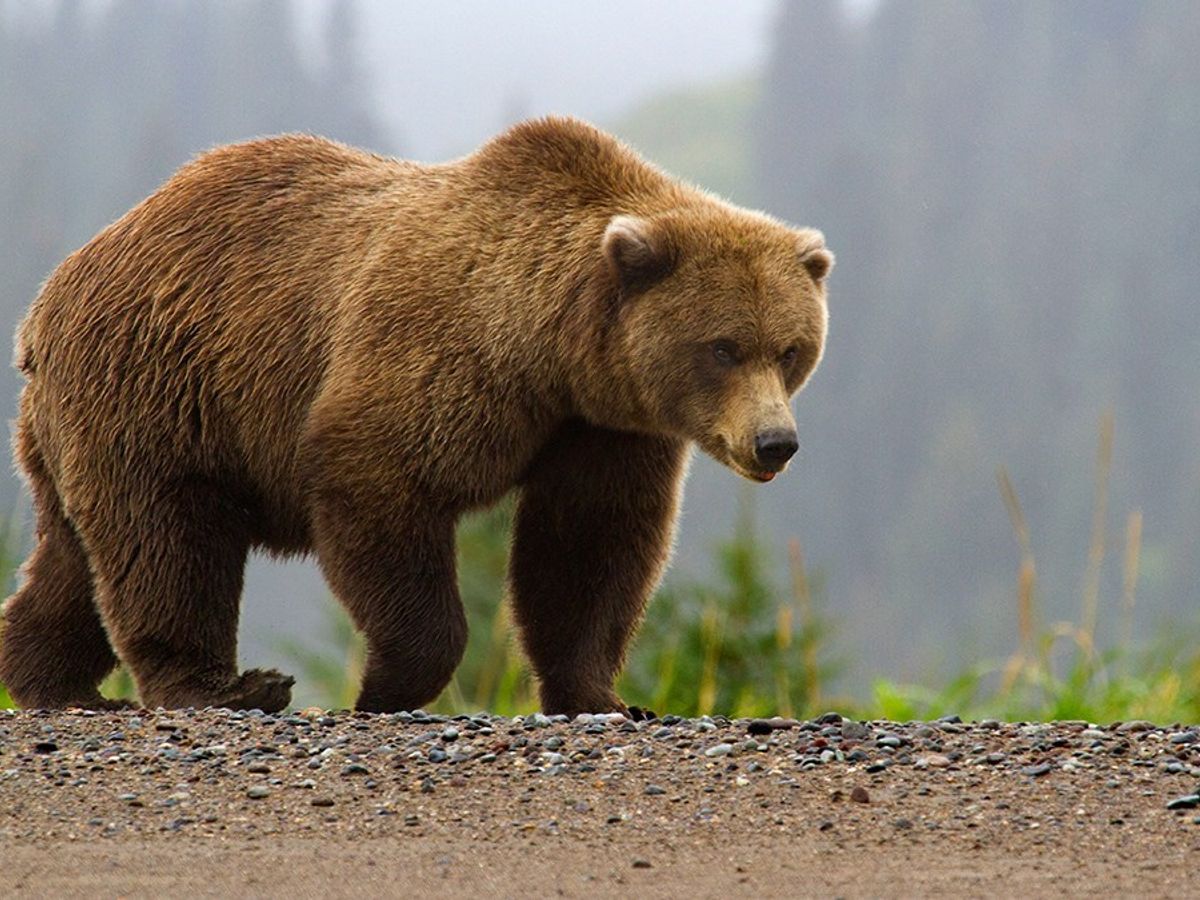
pixel 219 803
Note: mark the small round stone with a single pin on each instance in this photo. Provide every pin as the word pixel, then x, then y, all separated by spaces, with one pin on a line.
pixel 1188 801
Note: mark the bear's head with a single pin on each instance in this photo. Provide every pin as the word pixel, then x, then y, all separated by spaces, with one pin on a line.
pixel 721 319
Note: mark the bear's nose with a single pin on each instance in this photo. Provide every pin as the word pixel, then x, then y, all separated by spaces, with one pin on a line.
pixel 774 448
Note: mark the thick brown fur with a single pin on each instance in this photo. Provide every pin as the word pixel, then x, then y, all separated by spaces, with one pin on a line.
pixel 297 346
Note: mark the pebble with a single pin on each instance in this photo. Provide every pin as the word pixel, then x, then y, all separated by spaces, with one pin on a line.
pixel 184 753
pixel 855 731
pixel 933 761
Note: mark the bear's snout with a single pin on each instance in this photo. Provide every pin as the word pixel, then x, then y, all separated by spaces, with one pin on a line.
pixel 773 448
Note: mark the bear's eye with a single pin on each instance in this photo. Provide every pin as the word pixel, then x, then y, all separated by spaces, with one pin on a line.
pixel 725 352
pixel 789 356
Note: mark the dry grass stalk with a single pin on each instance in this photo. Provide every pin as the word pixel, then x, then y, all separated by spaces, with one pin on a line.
pixel 1133 554
pixel 783 642
pixel 802 591
pixel 1091 581
pixel 711 637
pixel 1027 625
pixel 497 656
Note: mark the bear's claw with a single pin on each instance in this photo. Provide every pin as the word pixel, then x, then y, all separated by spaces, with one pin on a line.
pixel 265 689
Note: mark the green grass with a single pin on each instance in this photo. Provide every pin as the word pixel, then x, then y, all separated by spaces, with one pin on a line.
pixel 1056 671
pixel 737 644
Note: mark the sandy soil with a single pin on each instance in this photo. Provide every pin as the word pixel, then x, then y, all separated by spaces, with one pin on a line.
pixel 213 803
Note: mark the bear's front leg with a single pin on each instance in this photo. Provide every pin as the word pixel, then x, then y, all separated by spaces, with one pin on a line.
pixel 593 534
pixel 397 580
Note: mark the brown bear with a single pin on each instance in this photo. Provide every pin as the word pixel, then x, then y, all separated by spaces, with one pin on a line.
pixel 301 347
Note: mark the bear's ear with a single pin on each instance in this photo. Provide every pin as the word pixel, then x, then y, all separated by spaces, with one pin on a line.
pixel 814 255
pixel 637 251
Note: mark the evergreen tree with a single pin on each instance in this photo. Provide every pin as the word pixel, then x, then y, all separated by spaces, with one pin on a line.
pixel 1013 195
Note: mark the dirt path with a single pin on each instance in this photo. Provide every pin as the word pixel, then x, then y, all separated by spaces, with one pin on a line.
pixel 219 804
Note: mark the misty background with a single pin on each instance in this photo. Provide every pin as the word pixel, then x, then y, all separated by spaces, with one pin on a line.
pixel 1012 191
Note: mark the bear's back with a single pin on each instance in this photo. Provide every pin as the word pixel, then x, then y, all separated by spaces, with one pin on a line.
pixel 194 330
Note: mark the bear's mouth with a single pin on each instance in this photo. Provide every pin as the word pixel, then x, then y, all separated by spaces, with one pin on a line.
pixel 759 476
pixel 720 450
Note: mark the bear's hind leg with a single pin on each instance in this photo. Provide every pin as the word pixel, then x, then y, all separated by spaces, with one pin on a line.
pixel 591 538
pixel 169 584
pixel 53 649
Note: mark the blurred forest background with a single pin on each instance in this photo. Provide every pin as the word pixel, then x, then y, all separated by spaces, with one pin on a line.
pixel 1013 193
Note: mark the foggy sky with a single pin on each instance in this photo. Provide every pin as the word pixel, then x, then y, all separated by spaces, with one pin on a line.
pixel 449 75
